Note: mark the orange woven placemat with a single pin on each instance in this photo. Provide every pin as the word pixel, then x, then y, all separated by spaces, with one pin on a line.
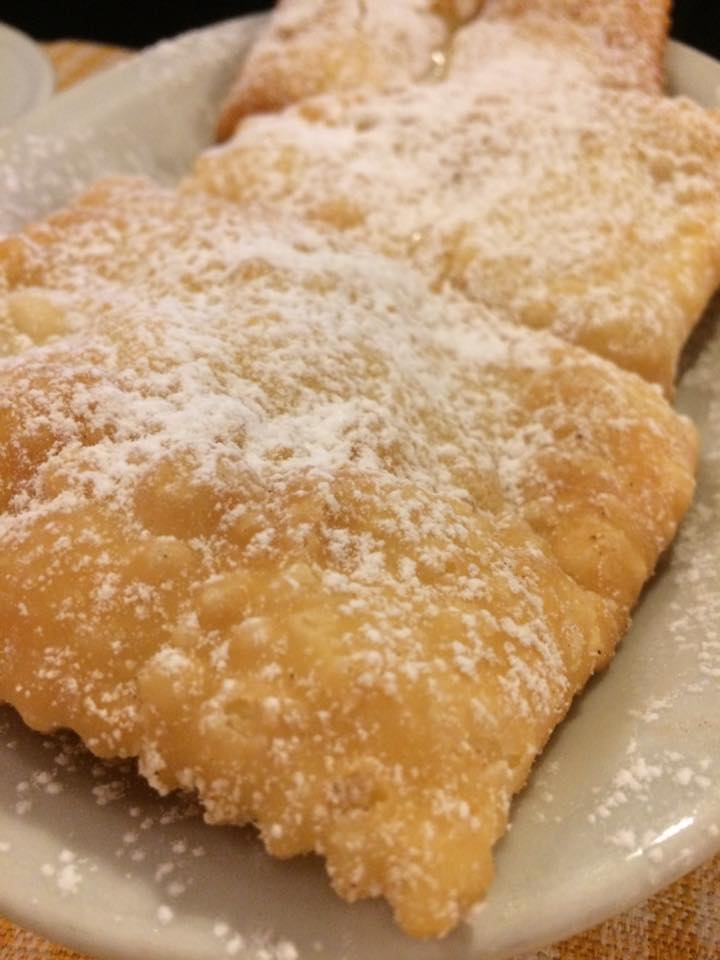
pixel 681 923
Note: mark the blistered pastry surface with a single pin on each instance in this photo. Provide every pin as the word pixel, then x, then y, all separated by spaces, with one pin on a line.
pixel 273 521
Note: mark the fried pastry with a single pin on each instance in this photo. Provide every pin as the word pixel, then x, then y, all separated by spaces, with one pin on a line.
pixel 566 407
pixel 620 43
pixel 267 523
pixel 313 46
pixel 590 212
pixel 323 46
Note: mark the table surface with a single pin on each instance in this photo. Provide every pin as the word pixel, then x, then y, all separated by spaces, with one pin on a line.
pixel 680 923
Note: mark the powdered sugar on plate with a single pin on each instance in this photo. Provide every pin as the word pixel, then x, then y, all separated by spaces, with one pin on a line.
pixel 151 843
pixel 109 124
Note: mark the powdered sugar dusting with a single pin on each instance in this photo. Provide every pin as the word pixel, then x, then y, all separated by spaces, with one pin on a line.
pixel 554 203
pixel 303 442
pixel 290 419
pixel 165 834
pixel 656 799
pixel 310 47
pixel 41 172
pixel 36 786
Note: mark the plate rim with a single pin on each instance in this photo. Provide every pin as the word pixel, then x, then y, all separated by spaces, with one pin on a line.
pixel 43 71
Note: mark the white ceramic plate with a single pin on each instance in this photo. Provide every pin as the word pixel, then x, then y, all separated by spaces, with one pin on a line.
pixel 26 75
pixel 624 800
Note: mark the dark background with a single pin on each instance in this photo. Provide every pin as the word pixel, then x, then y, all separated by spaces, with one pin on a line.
pixel 697 22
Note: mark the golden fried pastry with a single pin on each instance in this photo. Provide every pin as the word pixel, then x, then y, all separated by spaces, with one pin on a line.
pixel 616 42
pixel 267 510
pixel 566 408
pixel 324 46
pixel 586 211
pixel 313 46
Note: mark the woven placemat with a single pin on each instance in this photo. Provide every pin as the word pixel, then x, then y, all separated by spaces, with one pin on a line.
pixel 681 923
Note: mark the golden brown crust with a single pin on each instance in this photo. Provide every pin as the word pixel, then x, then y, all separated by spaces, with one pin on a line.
pixel 635 31
pixel 289 489
pixel 314 46
pixel 580 407
pixel 321 46
pixel 589 212
pixel 329 541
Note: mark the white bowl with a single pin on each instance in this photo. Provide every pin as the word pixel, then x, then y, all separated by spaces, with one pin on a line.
pixel 27 78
